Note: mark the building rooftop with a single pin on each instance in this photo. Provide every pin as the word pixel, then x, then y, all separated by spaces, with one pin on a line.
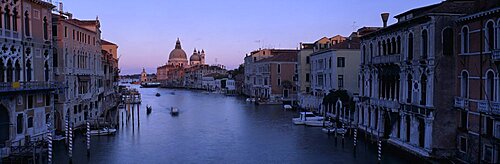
pixel 286 57
pixel 105 42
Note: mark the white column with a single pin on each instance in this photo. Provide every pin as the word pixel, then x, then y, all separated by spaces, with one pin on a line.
pixel 428 133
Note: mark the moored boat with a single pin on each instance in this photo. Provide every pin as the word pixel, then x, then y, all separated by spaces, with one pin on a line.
pixel 157 94
pixel 174 111
pixel 306 116
pixel 103 132
pixel 318 123
pixel 149 109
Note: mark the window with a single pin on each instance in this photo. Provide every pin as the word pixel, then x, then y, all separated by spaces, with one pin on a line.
pixel 464 85
pixel 463 144
pixel 279 68
pixel 30 122
pixel 425 44
pixel 398 42
pixel 465 40
pixel 9 70
pixel 308 60
pixel 45 29
pixel 73 34
pixel 47 118
pixel 423 90
pixel 394 47
pixel 279 81
pixel 320 80
pixel 65 31
pixel 488 126
pixel 490 36
pixel 307 77
pixel 30 100
pixel 27 23
pixel 488 153
pixel 384 48
pixel 54 30
pixel 330 62
pixel 490 86
pixel 46 71
pixel 20 123
pixel 371 52
pixel 410 47
pixel 341 81
pixel 28 70
pixel 14 20
pixel 340 62
pixel 409 88
pixel 389 48
pixel 1 20
pixel 364 55
pixel 47 100
pixel 464 119
pixel 379 49
pixel 7 18
pixel 448 42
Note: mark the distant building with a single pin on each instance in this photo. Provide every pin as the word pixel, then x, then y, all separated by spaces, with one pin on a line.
pixel 270 75
pixel 111 76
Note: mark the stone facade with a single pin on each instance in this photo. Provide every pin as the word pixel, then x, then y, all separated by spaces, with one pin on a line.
pixel 26 81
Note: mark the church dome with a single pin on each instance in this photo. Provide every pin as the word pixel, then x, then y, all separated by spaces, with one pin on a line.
pixel 177 53
pixel 195 56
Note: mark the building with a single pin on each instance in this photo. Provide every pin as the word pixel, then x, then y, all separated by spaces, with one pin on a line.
pixel 27 84
pixel 79 65
pixel 407 79
pixel 110 79
pixel 251 70
pixel 477 95
pixel 172 73
pixel 193 76
pixel 144 76
pixel 274 76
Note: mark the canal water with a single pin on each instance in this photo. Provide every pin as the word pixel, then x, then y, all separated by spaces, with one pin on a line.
pixel 213 128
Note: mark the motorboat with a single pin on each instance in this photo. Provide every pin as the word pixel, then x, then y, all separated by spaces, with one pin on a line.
pixel 306 116
pixel 158 94
pixel 287 107
pixel 318 123
pixel 150 85
pixel 250 99
pixel 329 130
pixel 174 111
pixel 103 132
pixel 149 109
pixel 341 130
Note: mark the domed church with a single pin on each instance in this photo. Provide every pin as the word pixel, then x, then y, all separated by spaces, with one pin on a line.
pixel 178 56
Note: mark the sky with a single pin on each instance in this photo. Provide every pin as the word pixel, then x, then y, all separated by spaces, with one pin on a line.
pixel 146 30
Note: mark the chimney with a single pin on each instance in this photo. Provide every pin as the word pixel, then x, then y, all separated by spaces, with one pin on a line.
pixel 61 8
pixel 385 17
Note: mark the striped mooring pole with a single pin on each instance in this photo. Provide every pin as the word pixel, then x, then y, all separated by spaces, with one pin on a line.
pixel 379 150
pixel 355 137
pixel 66 127
pixel 70 150
pixel 88 138
pixel 49 142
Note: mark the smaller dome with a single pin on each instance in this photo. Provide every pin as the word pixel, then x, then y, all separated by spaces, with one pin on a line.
pixel 195 57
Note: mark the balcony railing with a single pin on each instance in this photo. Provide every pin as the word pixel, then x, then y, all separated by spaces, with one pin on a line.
pixel 385 103
pixel 461 102
pixel 386 59
pixel 29 86
pixel 492 107
pixel 495 54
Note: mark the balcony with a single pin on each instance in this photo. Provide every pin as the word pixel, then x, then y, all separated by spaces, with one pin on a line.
pixel 461 103
pixel 385 103
pixel 6 87
pixel 386 59
pixel 491 107
pixel 495 55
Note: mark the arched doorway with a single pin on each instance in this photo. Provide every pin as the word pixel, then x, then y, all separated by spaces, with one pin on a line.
pixel 4 125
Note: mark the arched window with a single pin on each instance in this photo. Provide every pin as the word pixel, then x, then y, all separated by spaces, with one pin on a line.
pixel 2 71
pixel 425 44
pixel 398 40
pixel 18 71
pixel 394 47
pixel 465 40
pixel 409 88
pixel 379 47
pixel 27 24
pixel 490 86
pixel 490 36
pixel 371 52
pixel 45 29
pixel 410 47
pixel 423 90
pixel 14 20
pixel 1 19
pixel 364 54
pixel 28 70
pixel 389 47
pixel 46 67
pixel 464 85
pixel 447 41
pixel 384 48
pixel 10 70
pixel 7 18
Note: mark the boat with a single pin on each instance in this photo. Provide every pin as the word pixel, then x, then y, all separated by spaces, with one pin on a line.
pixel 149 109
pixel 174 111
pixel 306 116
pixel 286 107
pixel 318 123
pixel 172 93
pixel 103 132
pixel 158 94
pixel 329 130
pixel 150 85
pixel 341 130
